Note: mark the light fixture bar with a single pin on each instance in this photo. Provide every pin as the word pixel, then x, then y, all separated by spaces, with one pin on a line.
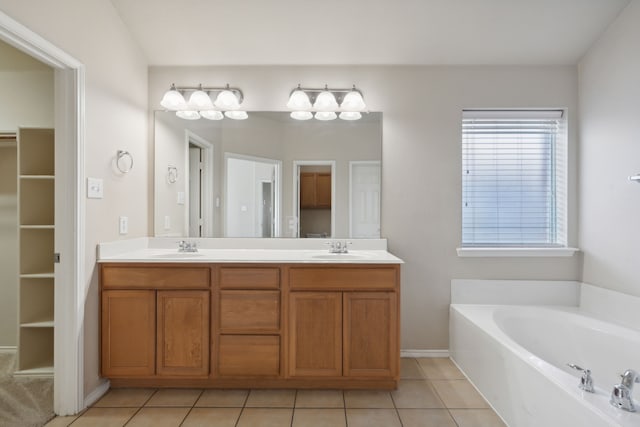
pixel 237 91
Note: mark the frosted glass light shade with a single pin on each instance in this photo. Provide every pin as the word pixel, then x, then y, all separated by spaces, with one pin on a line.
pixel 212 115
pixel 326 101
pixel 350 115
pixel 326 115
pixel 188 114
pixel 301 115
pixel 173 100
pixel 227 100
pixel 199 100
pixel 236 115
pixel 353 102
pixel 298 101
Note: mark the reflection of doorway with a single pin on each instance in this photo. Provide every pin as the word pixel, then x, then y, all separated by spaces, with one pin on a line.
pixel 199 164
pixel 364 199
pixel 314 198
pixel 252 196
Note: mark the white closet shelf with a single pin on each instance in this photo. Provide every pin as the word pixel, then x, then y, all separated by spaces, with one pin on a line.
pixel 42 324
pixel 37 177
pixel 42 371
pixel 37 276
pixel 38 227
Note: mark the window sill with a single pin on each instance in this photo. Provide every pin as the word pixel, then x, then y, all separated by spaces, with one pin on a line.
pixel 515 252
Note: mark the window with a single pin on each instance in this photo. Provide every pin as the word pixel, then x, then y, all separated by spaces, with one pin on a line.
pixel 514 178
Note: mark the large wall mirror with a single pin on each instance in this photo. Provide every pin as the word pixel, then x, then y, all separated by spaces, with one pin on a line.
pixel 267 176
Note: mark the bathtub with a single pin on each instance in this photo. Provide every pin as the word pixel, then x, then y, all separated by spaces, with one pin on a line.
pixel 516 356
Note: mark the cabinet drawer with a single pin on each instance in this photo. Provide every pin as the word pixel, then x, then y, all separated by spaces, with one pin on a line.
pixel 249 355
pixel 342 278
pixel 249 311
pixel 155 277
pixel 249 278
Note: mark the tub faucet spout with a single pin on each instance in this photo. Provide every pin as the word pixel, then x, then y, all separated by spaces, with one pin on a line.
pixel 621 394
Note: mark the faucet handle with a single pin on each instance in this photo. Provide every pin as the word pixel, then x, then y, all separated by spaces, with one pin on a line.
pixel 586 381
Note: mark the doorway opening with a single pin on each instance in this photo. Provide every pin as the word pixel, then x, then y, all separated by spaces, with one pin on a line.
pixel 314 195
pixel 199 164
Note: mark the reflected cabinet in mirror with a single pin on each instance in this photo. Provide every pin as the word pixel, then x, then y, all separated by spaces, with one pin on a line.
pixel 267 176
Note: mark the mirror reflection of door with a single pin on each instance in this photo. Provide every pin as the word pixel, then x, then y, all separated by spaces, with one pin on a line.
pixel 252 196
pixel 315 183
pixel 364 199
pixel 195 191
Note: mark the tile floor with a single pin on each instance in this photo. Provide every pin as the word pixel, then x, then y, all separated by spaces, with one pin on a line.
pixel 432 393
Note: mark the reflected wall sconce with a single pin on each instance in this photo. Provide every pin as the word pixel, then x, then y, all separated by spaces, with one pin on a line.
pixel 326 104
pixel 211 103
pixel 124 161
pixel 172 174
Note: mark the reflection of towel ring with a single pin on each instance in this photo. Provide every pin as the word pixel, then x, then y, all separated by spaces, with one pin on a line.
pixel 124 155
pixel 172 174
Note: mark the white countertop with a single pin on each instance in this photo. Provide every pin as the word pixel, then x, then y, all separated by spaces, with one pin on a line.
pixel 152 250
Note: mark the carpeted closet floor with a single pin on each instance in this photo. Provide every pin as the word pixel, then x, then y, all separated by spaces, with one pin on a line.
pixel 24 402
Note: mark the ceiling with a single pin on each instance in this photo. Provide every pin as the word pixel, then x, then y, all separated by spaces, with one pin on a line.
pixel 290 32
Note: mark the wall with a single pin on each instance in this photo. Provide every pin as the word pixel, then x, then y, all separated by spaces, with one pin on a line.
pixel 116 118
pixel 26 91
pixel 421 170
pixel 609 153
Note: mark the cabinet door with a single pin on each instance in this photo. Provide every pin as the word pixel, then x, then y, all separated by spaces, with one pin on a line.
pixel 128 333
pixel 323 190
pixel 183 333
pixel 307 190
pixel 315 334
pixel 371 346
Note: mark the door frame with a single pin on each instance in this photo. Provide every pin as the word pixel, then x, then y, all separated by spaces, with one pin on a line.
pixel 69 300
pixel 296 191
pixel 206 186
pixel 353 163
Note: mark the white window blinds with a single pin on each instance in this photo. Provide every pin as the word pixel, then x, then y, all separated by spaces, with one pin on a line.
pixel 513 178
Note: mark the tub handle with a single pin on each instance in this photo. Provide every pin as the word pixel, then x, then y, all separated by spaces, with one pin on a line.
pixel 586 381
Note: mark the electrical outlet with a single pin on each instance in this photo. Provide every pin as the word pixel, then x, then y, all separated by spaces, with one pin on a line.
pixel 167 222
pixel 181 197
pixel 123 224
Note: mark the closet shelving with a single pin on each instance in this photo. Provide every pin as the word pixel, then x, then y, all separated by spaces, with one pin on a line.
pixel 36 195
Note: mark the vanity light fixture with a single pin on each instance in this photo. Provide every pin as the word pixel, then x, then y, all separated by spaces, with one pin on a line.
pixel 325 104
pixel 212 103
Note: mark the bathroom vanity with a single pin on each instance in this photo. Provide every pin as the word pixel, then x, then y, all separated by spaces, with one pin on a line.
pixel 250 318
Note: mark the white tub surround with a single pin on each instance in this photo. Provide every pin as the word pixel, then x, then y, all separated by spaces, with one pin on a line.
pixel 516 352
pixel 211 250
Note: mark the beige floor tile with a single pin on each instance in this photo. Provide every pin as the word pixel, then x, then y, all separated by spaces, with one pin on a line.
pixel 416 394
pixel 409 369
pixel 319 399
pixel 125 398
pixel 222 398
pixel 319 418
pixel 368 399
pixel 159 417
pixel 263 417
pixel 212 417
pixel 271 399
pixel 175 397
pixel 476 418
pixel 426 418
pixel 440 368
pixel 61 421
pixel 105 417
pixel 459 394
pixel 373 418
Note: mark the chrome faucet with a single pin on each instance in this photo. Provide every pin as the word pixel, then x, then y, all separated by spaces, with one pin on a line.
pixel 184 246
pixel 586 382
pixel 338 247
pixel 621 394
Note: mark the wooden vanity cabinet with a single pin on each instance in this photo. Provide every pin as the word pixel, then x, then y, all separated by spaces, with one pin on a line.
pixel 343 322
pixel 155 321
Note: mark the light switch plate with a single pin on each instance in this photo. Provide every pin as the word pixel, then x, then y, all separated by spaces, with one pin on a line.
pixel 95 189
pixel 123 224
pixel 181 197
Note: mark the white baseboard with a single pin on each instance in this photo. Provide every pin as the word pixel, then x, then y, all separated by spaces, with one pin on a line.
pixel 8 349
pixel 424 353
pixel 97 393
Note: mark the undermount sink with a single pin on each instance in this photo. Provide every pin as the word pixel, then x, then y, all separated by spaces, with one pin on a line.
pixel 338 256
pixel 178 255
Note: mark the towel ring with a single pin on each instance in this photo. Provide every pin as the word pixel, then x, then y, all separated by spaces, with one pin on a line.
pixel 128 158
pixel 172 174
